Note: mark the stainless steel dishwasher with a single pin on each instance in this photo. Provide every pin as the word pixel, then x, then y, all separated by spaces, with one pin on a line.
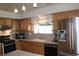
pixel 50 49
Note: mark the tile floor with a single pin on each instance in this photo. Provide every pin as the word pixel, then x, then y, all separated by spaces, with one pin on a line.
pixel 21 53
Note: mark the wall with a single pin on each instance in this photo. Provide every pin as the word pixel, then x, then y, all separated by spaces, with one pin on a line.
pixel 48 37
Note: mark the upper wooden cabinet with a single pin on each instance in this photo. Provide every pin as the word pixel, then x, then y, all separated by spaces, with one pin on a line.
pixel 26 24
pixel 19 25
pixel 5 21
pixel 2 21
pixel 63 15
pixel 8 22
pixel 15 24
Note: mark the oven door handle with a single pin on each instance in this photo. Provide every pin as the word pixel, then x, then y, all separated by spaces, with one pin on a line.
pixel 9 44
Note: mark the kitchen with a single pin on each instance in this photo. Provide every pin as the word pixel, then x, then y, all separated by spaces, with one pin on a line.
pixel 35 32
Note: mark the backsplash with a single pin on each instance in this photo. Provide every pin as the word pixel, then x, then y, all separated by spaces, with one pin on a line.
pixel 48 37
pixel 41 36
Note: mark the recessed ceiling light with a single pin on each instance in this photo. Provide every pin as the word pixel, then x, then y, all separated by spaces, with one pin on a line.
pixel 16 10
pixel 23 8
pixel 34 4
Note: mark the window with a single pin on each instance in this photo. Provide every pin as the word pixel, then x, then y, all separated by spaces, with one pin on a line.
pixel 42 27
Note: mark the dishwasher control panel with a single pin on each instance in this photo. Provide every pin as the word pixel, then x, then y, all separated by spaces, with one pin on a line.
pixel 50 45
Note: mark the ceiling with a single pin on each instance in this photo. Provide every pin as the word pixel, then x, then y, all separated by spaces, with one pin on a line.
pixel 29 6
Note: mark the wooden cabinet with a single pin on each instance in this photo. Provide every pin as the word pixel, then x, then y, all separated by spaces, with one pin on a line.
pixel 26 46
pixel 2 21
pixel 34 47
pixel 26 25
pixel 62 47
pixel 29 46
pixel 63 15
pixel 15 24
pixel 21 24
pixel 8 22
pixel 18 25
pixel 18 44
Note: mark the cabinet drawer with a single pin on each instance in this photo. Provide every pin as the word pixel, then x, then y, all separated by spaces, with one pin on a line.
pixel 28 49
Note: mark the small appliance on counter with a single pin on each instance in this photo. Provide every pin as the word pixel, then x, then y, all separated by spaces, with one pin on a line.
pixel 22 35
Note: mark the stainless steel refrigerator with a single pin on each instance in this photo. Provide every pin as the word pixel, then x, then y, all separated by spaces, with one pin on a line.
pixel 68 36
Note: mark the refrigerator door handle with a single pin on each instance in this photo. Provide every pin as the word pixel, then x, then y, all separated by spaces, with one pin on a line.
pixel 72 40
pixel 70 35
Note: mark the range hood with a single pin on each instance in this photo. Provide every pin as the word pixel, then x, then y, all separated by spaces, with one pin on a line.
pixel 5 27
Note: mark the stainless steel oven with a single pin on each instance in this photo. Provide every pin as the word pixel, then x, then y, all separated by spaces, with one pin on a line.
pixel 8 46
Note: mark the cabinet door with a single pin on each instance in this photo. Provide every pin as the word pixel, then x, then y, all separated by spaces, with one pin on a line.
pixel 25 25
pixel 18 45
pixel 2 21
pixel 21 24
pixel 29 28
pixel 41 50
pixel 26 46
pixel 9 22
pixel 15 24
pixel 37 48
pixel 29 24
pixel 34 49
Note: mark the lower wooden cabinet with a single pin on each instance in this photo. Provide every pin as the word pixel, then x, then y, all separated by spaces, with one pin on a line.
pixel 29 46
pixel 34 47
pixel 18 45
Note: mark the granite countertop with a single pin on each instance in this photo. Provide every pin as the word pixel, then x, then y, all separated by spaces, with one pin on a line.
pixel 39 40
